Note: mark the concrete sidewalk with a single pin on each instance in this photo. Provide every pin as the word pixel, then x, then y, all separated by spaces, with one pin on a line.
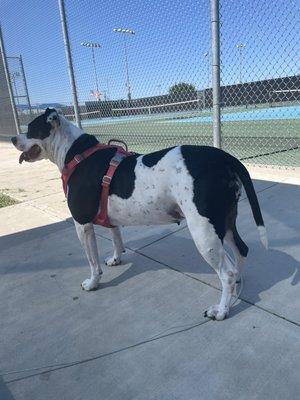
pixel 142 335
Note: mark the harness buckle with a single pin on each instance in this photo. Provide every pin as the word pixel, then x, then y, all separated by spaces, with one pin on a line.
pixel 117 158
pixel 106 180
pixel 78 158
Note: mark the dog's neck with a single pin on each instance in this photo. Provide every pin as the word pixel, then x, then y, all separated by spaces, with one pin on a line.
pixel 61 140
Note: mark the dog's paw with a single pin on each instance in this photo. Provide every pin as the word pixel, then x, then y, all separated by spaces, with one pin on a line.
pixel 90 284
pixel 216 312
pixel 110 261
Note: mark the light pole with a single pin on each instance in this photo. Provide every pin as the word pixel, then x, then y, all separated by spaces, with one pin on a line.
pixel 8 82
pixel 25 84
pixel 13 76
pixel 240 47
pixel 93 46
pixel 206 57
pixel 126 32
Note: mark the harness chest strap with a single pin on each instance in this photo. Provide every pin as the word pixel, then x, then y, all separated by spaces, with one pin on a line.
pixel 101 217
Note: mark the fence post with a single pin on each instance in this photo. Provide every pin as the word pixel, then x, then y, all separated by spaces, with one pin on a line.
pixel 63 21
pixel 10 91
pixel 215 46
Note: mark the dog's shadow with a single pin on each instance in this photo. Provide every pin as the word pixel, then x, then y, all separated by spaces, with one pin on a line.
pixel 33 251
pixel 264 269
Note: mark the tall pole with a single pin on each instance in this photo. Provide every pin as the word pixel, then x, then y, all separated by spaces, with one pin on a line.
pixel 206 57
pixel 95 69
pixel 107 89
pixel 69 60
pixel 241 46
pixel 10 91
pixel 127 71
pixel 131 32
pixel 25 84
pixel 216 85
pixel 13 77
pixel 93 45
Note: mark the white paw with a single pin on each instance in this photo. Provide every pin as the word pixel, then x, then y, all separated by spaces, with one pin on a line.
pixel 110 261
pixel 216 312
pixel 90 283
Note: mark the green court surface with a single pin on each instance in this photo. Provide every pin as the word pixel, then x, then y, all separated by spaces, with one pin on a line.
pixel 272 142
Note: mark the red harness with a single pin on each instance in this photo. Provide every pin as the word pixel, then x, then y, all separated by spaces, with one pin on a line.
pixel 101 217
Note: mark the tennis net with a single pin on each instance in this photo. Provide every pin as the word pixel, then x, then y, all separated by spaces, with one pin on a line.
pixel 182 109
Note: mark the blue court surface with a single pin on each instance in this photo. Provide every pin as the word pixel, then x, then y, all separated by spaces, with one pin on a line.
pixel 263 114
pixel 260 114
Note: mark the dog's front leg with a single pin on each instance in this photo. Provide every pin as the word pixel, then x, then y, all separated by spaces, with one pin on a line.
pixel 118 247
pixel 86 235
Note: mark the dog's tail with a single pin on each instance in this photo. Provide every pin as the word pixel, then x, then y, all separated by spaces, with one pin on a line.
pixel 244 176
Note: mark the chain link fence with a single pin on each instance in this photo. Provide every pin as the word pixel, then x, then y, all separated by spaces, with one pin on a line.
pixel 143 72
pixel 260 82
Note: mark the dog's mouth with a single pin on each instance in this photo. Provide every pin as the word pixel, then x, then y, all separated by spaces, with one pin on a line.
pixel 31 155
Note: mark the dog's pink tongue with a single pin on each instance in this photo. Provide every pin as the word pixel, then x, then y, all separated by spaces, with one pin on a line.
pixel 23 157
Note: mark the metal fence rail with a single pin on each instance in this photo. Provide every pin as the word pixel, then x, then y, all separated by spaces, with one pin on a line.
pixel 164 73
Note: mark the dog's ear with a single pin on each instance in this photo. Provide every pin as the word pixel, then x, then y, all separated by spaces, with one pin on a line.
pixel 51 117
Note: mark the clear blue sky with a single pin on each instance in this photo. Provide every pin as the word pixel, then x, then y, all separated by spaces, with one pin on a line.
pixel 169 45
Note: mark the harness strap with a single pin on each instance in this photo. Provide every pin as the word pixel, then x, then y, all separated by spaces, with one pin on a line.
pixel 70 167
pixel 101 217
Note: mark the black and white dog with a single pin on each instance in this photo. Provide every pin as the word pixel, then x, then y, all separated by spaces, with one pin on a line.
pixel 201 184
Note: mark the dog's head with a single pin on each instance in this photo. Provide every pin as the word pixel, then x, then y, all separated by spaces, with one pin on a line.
pixel 33 143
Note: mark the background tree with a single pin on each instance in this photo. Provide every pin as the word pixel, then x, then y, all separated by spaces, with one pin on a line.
pixel 183 90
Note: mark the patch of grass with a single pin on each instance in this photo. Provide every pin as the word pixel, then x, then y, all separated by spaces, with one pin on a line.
pixel 6 200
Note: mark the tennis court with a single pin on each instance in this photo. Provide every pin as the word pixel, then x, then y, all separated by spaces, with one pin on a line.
pixel 266 135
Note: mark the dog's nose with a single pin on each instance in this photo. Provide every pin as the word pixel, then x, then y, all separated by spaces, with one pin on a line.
pixel 14 140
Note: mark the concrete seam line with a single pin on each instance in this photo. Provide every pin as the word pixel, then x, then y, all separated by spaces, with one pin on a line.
pixel 271 312
pixel 214 287
pixel 262 190
pixel 56 367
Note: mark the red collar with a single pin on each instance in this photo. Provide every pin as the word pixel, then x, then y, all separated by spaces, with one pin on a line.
pixel 101 217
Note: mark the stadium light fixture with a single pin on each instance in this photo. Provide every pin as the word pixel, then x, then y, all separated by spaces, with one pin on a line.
pixel 126 32
pixel 93 46
pixel 241 47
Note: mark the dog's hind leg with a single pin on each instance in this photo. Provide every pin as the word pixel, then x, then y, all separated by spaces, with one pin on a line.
pixel 211 248
pixel 239 249
pixel 118 247
pixel 86 235
pixel 235 242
